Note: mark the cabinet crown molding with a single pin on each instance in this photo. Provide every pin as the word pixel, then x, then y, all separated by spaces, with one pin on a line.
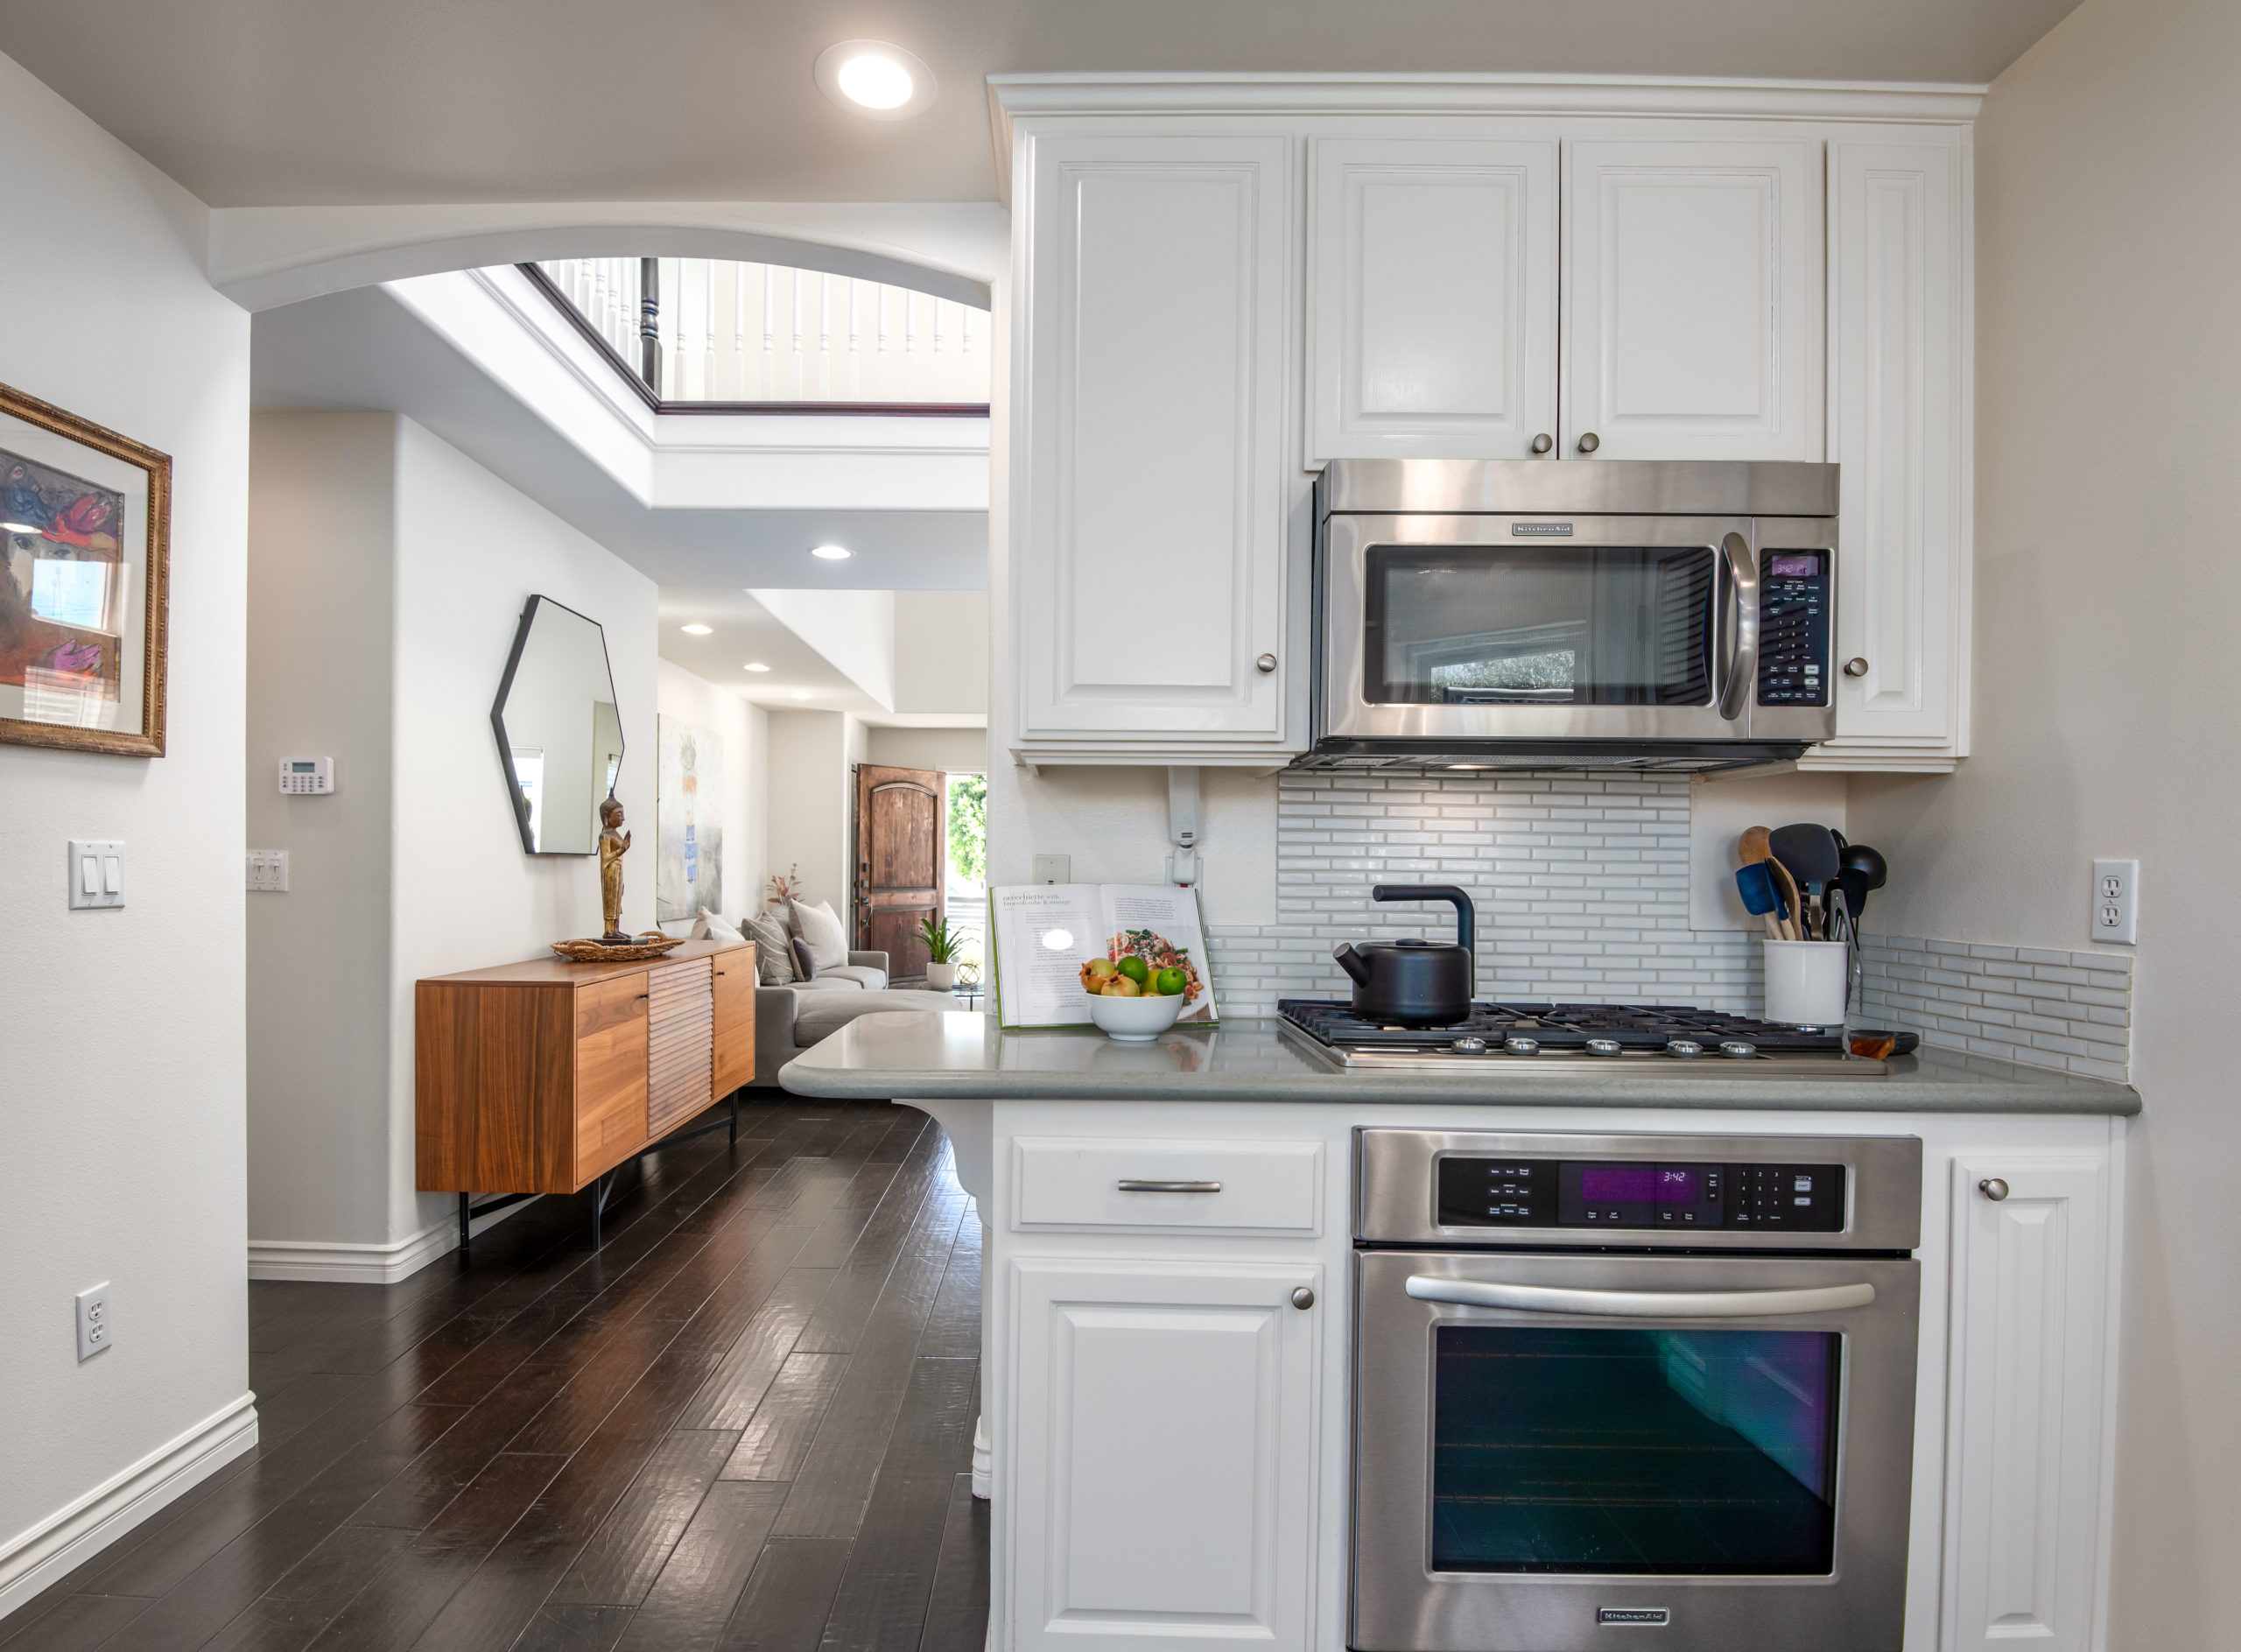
pixel 1159 93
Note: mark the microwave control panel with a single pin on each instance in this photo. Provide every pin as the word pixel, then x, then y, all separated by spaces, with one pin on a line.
pixel 1594 1194
pixel 1793 628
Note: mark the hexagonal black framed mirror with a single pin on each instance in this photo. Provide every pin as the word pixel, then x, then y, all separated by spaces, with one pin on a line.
pixel 559 733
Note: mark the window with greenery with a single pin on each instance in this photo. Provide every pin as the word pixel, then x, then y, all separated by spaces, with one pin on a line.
pixel 968 826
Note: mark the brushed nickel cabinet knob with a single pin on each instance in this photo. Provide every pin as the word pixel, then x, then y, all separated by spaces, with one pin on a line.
pixel 1302 1298
pixel 1856 666
pixel 1590 442
pixel 1266 664
pixel 1993 1189
pixel 1542 443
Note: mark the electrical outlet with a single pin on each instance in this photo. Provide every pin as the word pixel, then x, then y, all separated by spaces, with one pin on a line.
pixel 1054 869
pixel 92 1320
pixel 2116 902
pixel 96 873
pixel 268 870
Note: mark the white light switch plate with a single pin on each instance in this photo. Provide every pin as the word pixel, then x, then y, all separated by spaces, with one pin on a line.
pixel 95 870
pixel 2116 902
pixel 268 871
pixel 1054 869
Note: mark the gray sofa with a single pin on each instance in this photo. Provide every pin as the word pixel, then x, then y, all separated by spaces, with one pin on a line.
pixel 788 1020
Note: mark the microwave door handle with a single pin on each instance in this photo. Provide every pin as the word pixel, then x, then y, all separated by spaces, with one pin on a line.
pixel 1641 1304
pixel 1739 625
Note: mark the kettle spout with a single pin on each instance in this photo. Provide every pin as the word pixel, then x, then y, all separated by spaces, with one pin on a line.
pixel 1351 961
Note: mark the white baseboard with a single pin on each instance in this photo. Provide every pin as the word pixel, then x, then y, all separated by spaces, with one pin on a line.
pixel 73 1535
pixel 329 1262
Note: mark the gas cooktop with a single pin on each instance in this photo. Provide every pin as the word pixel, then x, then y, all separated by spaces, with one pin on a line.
pixel 1536 1037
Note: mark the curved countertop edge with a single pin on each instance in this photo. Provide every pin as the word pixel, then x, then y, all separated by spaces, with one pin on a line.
pixel 898 1061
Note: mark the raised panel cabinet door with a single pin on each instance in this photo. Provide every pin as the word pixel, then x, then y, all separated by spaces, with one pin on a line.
pixel 1899 305
pixel 1164 1455
pixel 1148 506
pixel 734 1033
pixel 2024 1445
pixel 611 1088
pixel 1431 291
pixel 1693 299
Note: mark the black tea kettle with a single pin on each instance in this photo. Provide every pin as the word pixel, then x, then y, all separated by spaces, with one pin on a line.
pixel 1413 983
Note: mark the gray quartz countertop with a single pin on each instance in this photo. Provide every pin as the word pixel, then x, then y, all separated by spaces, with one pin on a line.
pixel 900 1054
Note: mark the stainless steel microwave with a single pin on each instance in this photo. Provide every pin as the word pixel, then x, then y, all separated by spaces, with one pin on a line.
pixel 1572 613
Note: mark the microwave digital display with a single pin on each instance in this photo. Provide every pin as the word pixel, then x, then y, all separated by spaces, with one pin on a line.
pixel 1793 565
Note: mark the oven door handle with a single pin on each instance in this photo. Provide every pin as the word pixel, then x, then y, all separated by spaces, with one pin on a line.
pixel 1737 646
pixel 1641 1304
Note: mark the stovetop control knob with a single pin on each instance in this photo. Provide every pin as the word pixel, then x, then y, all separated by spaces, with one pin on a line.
pixel 1602 1046
pixel 1523 1046
pixel 1683 1049
pixel 1736 1050
pixel 1469 1046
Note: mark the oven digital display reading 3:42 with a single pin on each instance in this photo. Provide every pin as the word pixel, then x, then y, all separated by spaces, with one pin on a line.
pixel 1483 1192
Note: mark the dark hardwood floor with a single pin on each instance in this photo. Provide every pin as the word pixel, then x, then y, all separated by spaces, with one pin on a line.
pixel 747 1423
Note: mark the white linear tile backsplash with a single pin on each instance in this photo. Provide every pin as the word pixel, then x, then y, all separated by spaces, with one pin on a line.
pixel 2069 1010
pixel 1581 882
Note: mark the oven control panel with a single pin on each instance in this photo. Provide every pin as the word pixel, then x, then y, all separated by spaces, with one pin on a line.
pixel 1793 628
pixel 1668 1198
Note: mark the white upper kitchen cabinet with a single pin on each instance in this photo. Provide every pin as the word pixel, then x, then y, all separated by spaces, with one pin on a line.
pixel 1693 295
pixel 1899 426
pixel 1164 1454
pixel 1431 297
pixel 2025 1456
pixel 1150 381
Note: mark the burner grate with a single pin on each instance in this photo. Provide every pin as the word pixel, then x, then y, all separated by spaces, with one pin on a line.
pixel 1558 1027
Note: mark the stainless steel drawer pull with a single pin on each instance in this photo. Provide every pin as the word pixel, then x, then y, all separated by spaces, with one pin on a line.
pixel 1641 1304
pixel 1128 1186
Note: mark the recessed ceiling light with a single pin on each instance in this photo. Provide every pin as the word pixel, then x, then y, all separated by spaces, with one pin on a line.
pixel 873 79
pixel 801 693
pixel 695 630
pixel 757 665
pixel 831 553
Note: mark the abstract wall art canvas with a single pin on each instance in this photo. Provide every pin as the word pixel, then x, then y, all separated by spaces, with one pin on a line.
pixel 689 822
pixel 84 521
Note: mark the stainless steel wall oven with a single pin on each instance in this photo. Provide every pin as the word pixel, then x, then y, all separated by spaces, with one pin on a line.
pixel 1605 1383
pixel 1532 613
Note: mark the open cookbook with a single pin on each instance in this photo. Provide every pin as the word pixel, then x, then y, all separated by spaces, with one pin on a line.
pixel 1043 934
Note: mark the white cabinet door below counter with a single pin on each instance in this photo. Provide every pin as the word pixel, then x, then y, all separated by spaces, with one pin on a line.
pixel 2024 1455
pixel 1164 1455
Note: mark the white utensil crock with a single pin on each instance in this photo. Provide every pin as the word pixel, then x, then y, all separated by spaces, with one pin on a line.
pixel 1806 983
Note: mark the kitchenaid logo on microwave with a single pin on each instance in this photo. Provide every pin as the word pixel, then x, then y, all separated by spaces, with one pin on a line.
pixel 1541 529
pixel 1654 1617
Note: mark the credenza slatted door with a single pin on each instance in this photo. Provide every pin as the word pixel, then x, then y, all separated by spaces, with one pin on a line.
pixel 679 1071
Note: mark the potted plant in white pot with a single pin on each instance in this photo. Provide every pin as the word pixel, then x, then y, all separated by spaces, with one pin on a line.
pixel 943 944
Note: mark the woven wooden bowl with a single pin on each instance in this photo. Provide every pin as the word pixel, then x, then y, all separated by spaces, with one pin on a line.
pixel 652 943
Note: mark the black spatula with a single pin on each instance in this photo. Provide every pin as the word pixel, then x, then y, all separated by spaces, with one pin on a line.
pixel 1810 855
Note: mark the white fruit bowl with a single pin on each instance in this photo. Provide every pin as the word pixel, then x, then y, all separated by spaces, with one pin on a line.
pixel 1135 1020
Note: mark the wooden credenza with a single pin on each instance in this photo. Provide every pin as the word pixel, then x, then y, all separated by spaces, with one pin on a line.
pixel 539 1078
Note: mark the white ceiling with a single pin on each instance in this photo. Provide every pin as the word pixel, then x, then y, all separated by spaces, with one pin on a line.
pixel 363 349
pixel 279 102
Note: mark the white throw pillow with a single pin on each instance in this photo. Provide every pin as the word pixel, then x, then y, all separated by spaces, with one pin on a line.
pixel 828 942
pixel 712 928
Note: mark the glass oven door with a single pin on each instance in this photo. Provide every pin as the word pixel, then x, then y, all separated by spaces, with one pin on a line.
pixel 1550 1446
pixel 1484 628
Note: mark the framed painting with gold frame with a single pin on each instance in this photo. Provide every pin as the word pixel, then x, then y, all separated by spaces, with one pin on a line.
pixel 85 536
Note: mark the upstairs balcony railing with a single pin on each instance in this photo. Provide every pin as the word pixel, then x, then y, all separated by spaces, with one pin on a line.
pixel 703 335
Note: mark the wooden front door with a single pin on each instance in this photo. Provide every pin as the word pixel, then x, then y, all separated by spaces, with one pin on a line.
pixel 900 860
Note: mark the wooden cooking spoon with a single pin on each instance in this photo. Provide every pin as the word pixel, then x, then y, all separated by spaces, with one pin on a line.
pixel 1794 925
pixel 1755 844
